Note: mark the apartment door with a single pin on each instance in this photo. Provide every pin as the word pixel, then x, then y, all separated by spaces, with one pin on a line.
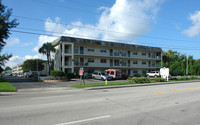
pixel 149 63
pixel 129 63
pixel 129 53
pixel 82 61
pixel 129 71
pixel 111 62
pixel 111 52
pixel 81 50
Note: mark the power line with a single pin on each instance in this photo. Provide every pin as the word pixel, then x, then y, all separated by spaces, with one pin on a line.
pixel 129 34
pixel 88 36
pixel 32 33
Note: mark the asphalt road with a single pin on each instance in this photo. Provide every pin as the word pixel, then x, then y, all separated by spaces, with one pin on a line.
pixel 171 104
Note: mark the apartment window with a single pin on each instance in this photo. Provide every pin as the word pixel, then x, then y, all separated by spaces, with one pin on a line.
pixel 103 60
pixel 135 62
pixel 76 49
pixel 90 49
pixel 153 55
pixel 91 60
pixel 76 63
pixel 116 62
pixel 123 63
pixel 135 53
pixel 153 64
pixel 144 62
pixel 144 53
pixel 81 50
pixel 67 49
pixel 116 52
pixel 103 50
pixel 135 71
pixel 123 53
pixel 90 71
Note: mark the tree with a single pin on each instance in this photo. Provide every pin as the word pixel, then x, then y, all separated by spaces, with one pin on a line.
pixel 33 65
pixel 7 68
pixel 5 26
pixel 46 49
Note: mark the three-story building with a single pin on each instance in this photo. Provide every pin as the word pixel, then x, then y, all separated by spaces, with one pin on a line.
pixel 95 55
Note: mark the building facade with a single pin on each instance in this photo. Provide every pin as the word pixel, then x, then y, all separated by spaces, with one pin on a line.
pixel 95 55
pixel 17 69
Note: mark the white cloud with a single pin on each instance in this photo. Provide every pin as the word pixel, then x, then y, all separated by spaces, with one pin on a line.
pixel 43 39
pixel 195 29
pixel 14 60
pixel 12 42
pixel 125 17
pixel 27 44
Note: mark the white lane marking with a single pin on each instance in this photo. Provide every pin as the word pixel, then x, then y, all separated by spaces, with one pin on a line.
pixel 84 120
pixel 49 97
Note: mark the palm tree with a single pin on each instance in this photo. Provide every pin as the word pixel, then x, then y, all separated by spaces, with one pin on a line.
pixel 46 49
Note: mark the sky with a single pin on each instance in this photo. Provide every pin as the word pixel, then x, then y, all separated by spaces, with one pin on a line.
pixel 169 24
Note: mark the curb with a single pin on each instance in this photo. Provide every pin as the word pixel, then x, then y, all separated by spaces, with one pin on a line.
pixel 43 89
pixel 7 93
pixel 138 85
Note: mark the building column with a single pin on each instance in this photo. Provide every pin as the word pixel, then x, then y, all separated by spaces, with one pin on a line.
pixel 72 57
pixel 63 57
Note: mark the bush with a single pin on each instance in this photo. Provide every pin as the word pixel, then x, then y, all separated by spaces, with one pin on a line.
pixel 193 77
pixel 56 73
pixel 2 80
pixel 174 78
pixel 158 79
pixel 185 78
pixel 140 80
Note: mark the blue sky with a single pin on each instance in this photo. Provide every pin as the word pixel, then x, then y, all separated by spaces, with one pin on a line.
pixel 169 24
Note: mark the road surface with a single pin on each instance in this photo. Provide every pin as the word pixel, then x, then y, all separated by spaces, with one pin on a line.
pixel 171 104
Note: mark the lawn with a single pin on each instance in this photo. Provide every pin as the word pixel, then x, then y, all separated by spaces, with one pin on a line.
pixel 141 80
pixel 100 84
pixel 7 87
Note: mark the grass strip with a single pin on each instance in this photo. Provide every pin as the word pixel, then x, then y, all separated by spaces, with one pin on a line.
pixel 126 83
pixel 100 84
pixel 7 87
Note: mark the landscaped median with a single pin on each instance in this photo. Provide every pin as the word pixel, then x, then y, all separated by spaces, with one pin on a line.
pixel 140 80
pixel 7 87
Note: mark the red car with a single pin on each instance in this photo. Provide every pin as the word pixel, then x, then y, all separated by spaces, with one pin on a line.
pixel 125 76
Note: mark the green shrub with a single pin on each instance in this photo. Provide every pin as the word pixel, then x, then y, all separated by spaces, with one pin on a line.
pixel 140 80
pixel 2 80
pixel 174 78
pixel 185 78
pixel 159 79
pixel 56 73
pixel 193 77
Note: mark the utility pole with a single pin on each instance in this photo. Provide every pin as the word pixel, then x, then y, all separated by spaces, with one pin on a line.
pixel 187 66
pixel 37 70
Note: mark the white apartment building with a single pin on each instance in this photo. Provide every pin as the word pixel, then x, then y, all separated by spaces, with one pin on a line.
pixel 17 69
pixel 95 55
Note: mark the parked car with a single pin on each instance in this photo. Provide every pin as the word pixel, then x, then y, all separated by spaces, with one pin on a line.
pixel 125 75
pixel 153 74
pixel 114 73
pixel 101 75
